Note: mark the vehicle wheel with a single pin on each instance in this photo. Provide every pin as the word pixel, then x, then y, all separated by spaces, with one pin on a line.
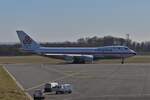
pixel 70 92
pixel 43 98
pixel 35 98
pixel 57 92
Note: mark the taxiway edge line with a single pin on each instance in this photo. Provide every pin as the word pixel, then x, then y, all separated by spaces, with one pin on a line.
pixel 18 84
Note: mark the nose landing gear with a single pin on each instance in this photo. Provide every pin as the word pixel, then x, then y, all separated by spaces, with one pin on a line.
pixel 122 60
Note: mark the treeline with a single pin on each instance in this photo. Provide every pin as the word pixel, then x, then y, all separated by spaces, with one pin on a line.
pixel 103 41
pixel 11 50
pixel 142 47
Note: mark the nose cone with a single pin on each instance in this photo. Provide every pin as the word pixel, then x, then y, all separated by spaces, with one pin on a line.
pixel 133 52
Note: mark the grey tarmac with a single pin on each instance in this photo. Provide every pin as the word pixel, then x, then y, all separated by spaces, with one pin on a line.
pixel 90 81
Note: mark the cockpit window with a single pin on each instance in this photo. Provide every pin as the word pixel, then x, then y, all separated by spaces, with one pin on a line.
pixel 126 48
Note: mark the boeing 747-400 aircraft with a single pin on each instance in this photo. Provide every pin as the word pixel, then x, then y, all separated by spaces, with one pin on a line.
pixel 75 54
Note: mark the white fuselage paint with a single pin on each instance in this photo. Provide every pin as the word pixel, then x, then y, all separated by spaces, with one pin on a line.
pixel 99 52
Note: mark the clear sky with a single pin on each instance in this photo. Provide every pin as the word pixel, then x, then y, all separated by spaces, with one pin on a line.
pixel 61 20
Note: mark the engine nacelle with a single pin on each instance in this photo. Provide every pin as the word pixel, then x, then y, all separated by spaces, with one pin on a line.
pixel 79 59
pixel 69 59
pixel 88 58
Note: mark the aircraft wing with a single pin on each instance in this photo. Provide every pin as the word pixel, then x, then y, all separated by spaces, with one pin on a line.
pixel 72 57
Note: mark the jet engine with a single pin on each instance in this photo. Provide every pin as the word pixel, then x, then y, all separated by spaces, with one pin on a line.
pixel 79 59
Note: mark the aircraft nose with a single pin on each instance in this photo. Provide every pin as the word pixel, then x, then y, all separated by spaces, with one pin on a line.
pixel 133 52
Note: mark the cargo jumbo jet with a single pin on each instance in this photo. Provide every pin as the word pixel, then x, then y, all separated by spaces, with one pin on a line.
pixel 75 54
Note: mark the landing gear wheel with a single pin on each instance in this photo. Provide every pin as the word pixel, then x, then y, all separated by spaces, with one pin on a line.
pixel 122 62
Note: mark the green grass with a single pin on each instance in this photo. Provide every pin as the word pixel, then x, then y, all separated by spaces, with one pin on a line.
pixel 28 59
pixel 8 88
pixel 135 59
pixel 139 59
pixel 40 59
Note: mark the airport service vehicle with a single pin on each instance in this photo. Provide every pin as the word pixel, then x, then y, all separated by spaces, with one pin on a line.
pixel 63 88
pixel 75 54
pixel 50 87
pixel 38 95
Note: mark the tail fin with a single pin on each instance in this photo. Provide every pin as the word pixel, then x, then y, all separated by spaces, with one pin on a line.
pixel 28 44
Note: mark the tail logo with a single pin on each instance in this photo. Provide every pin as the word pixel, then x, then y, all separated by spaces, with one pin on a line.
pixel 27 40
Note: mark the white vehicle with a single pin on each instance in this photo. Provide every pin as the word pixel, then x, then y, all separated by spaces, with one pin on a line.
pixel 75 54
pixel 63 88
pixel 50 87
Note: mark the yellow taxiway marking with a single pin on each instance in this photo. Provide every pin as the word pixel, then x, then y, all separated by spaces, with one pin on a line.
pixel 35 87
pixel 57 71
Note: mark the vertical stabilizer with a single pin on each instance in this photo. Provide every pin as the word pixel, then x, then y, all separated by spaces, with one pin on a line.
pixel 26 41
